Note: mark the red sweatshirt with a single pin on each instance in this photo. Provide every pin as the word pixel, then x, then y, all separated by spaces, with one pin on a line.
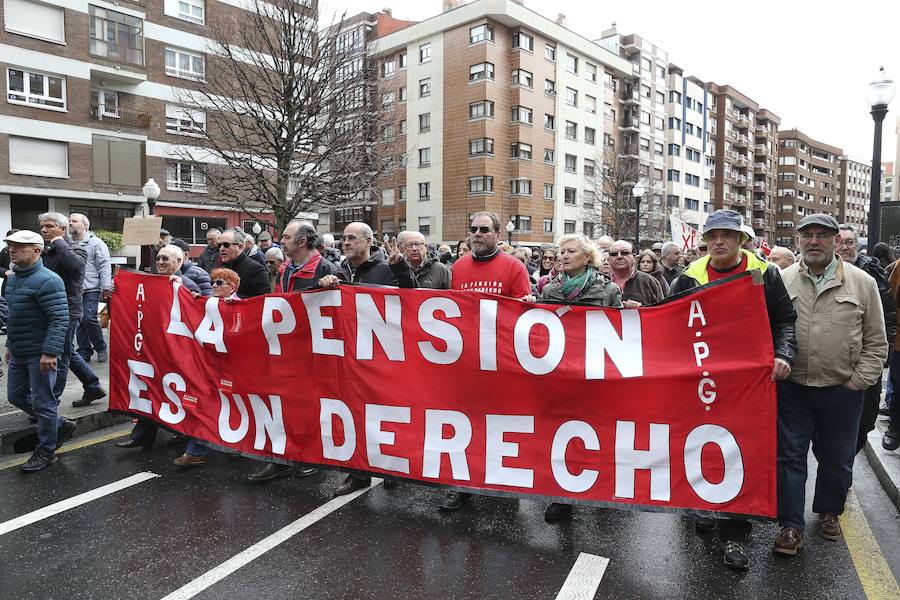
pixel 503 275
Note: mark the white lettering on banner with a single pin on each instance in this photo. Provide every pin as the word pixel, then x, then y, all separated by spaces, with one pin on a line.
pixel 275 305
pixel 733 480
pixel 568 431
pixel 556 341
pixel 139 337
pixel 376 414
pixel 707 385
pixel 319 323
pixel 211 329
pixel 229 435
pixel 329 408
pixel 442 330
pixel 496 449
pixel 701 351
pixel 601 339
pixel 176 325
pixel 172 383
pixel 139 293
pixel 454 447
pixel 696 313
pixel 370 325
pixel 656 459
pixel 487 334
pixel 268 422
pixel 136 386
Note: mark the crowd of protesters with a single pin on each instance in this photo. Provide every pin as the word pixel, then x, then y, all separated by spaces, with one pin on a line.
pixel 831 310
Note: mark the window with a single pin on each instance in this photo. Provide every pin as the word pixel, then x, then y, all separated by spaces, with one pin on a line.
pixel 481 147
pixel 522 222
pixel 590 71
pixel 691 204
pixel 481 71
pixel 402 93
pixel 191 10
pixel 658 149
pixel 589 199
pixel 548 225
pixel 387 225
pixel 590 104
pixel 692 180
pixel 568 226
pixel 35 89
pixel 550 122
pixel 645 117
pixel 590 135
pixel 388 68
pixel 403 127
pixel 521 151
pixel 424 191
pixel 481 33
pixel 588 229
pixel 35 19
pixel 608 111
pixel 549 156
pixel 571 97
pixel 548 191
pixel 387 197
pixel 674 150
pixel 523 41
pixel 659 123
pixel 521 114
pixel 571 163
pixel 104 104
pixel 425 225
pixel 674 175
pixel 569 196
pixel 675 97
pixel 403 59
pixel 571 63
pixel 520 187
pixel 522 77
pixel 645 90
pixel 787 160
pixel 692 154
pixel 387 99
pixel 550 52
pixel 185 121
pixel 425 53
pixel 184 64
pixel 675 123
pixel 645 145
pixel 589 169
pixel 481 185
pixel 483 109
pixel 424 87
pixel 645 64
pixel 44 158
pixel 424 122
pixel 660 97
pixel 424 157
pixel 550 87
pixel 571 130
pixel 117 36
pixel 401 193
pixel 185 177
pixel 660 72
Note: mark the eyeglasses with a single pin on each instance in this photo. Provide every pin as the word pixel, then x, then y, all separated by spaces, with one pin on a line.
pixel 621 253
pixel 549 258
pixel 414 244
pixel 218 282
pixel 482 229
pixel 226 244
pixel 162 259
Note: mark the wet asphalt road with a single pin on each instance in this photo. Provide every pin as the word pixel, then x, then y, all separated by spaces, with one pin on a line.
pixel 152 538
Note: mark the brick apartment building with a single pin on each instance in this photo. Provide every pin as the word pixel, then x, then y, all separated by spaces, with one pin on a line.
pixel 854 190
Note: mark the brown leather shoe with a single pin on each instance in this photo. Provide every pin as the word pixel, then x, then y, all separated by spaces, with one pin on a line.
pixel 788 541
pixel 190 460
pixel 829 527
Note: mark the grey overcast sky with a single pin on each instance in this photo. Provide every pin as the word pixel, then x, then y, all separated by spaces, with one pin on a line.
pixel 807 61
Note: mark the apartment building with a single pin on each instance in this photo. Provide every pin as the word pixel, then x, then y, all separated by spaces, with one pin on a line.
pixel 92 111
pixel 888 182
pixel 854 190
pixel 808 182
pixel 743 157
pixel 503 110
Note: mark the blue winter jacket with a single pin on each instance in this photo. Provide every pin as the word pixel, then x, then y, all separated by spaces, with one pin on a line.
pixel 38 312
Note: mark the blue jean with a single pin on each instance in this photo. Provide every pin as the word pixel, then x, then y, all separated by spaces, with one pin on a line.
pixel 31 390
pixel 831 416
pixel 90 334
pixel 72 360
pixel 196 447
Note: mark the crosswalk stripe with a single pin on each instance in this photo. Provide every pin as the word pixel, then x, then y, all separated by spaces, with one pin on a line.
pixel 73 502
pixel 237 561
pixel 584 578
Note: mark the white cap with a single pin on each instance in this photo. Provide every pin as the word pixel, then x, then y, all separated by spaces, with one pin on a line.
pixel 26 237
pixel 749 231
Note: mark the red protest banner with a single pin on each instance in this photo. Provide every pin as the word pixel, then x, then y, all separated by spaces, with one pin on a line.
pixel 664 408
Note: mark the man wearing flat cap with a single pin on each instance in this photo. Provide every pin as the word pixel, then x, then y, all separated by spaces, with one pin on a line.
pixel 841 350
pixel 724 235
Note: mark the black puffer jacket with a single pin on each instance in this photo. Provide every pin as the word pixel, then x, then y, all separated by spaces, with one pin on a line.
pixel 871 266
pixel 68 262
pixel 782 315
pixel 254 276
pixel 378 271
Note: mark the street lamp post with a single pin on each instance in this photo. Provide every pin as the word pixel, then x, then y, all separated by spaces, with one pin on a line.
pixel 879 94
pixel 637 191
pixel 257 229
pixel 510 227
pixel 151 193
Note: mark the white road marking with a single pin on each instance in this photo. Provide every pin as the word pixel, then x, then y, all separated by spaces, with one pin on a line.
pixel 12 412
pixel 237 561
pixel 584 578
pixel 74 501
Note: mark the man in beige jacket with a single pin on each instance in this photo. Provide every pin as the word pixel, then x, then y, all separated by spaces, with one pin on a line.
pixel 841 350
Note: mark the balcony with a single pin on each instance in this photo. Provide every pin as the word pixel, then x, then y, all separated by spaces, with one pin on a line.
pixel 630 125
pixel 740 181
pixel 630 150
pixel 741 162
pixel 761 131
pixel 742 122
pixel 759 186
pixel 759 204
pixel 741 141
pixel 631 97
pixel 759 223
pixel 741 199
pixel 760 167
pixel 119 117
pixel 760 149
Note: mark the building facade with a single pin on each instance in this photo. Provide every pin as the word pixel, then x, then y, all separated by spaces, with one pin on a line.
pixel 854 189
pixel 888 182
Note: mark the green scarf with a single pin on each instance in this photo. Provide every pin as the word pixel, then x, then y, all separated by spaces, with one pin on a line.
pixel 573 287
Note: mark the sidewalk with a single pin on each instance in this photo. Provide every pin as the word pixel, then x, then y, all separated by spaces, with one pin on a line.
pixel 886 464
pixel 18 435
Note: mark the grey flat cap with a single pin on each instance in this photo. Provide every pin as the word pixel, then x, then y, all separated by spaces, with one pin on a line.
pixel 822 220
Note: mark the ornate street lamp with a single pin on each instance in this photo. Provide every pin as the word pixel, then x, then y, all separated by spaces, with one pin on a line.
pixel 151 193
pixel 879 94
pixel 637 191
pixel 510 227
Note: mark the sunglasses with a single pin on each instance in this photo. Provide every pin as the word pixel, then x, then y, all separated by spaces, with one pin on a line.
pixel 482 229
pixel 226 244
pixel 621 253
pixel 162 259
pixel 218 282
pixel 549 258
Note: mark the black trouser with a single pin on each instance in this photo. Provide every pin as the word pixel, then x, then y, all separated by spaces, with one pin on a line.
pixel 734 530
pixel 871 402
pixel 144 432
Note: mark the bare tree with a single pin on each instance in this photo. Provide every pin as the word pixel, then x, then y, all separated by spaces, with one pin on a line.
pixel 612 204
pixel 295 120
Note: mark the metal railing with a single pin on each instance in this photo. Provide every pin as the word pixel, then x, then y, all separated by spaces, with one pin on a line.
pixel 120 117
